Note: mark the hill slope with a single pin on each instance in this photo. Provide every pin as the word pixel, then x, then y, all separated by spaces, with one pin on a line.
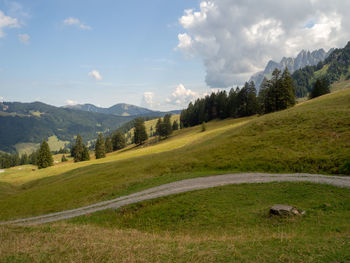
pixel 312 137
pixel 33 122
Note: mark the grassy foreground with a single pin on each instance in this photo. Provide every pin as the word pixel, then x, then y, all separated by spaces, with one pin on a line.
pixel 224 224
pixel 312 137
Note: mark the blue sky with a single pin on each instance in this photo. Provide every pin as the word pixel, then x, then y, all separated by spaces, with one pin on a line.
pixel 131 44
pixel 156 53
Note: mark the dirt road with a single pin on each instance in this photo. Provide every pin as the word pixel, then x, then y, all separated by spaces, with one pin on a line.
pixel 181 187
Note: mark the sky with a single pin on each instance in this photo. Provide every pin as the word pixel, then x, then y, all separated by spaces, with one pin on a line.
pixel 157 54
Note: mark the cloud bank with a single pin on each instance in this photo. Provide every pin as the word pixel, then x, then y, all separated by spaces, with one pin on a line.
pixel 235 39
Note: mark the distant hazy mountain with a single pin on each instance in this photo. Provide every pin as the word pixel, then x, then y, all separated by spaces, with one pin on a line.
pixel 34 122
pixel 120 109
pixel 304 58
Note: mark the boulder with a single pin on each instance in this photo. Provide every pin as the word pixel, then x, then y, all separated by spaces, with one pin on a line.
pixel 285 210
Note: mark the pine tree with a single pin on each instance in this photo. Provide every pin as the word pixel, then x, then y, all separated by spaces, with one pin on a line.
pixel 262 98
pixel 204 127
pixel 175 125
pixel 158 129
pixel 100 151
pixel 167 129
pixel 24 159
pixel 45 157
pixel 86 154
pixel 79 151
pixel 108 145
pixel 252 101
pixel 321 87
pixel 287 98
pixel 64 159
pixel 118 141
pixel 140 134
pixel 33 157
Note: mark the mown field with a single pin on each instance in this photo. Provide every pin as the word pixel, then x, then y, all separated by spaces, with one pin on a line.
pixel 312 137
pixel 223 224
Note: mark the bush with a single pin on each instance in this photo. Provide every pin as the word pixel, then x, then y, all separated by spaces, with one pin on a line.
pixel 345 168
pixel 204 127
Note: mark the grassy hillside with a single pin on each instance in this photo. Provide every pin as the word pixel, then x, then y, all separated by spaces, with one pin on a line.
pixel 151 126
pixel 311 137
pixel 224 224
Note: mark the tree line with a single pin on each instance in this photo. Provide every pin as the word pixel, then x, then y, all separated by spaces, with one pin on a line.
pixel 275 94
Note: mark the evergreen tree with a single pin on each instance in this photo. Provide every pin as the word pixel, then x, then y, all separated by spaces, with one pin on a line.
pixel 204 127
pixel 287 98
pixel 140 134
pixel 181 125
pixel 252 101
pixel 86 154
pixel 158 128
pixel 321 87
pixel 33 157
pixel 108 145
pixel 118 141
pixel 175 125
pixel 79 151
pixel 24 159
pixel 167 129
pixel 262 98
pixel 45 157
pixel 277 93
pixel 273 92
pixel 64 159
pixel 100 151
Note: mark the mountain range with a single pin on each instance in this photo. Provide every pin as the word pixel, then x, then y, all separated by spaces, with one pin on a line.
pixel 121 109
pixel 25 125
pixel 303 59
pixel 336 67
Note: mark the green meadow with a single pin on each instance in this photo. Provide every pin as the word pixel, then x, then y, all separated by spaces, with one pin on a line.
pixel 223 224
pixel 312 137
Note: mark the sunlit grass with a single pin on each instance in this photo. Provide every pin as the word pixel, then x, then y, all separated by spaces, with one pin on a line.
pixel 313 137
pixel 223 224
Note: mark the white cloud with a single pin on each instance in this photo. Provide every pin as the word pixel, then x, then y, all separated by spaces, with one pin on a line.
pixel 24 38
pixel 235 39
pixel 71 102
pixel 72 21
pixel 147 99
pixel 182 96
pixel 185 42
pixel 95 74
pixel 1 99
pixel 7 22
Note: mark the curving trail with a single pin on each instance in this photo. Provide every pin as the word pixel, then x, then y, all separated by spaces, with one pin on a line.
pixel 181 187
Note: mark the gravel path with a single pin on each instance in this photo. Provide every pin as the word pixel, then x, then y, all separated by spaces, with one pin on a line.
pixel 181 187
